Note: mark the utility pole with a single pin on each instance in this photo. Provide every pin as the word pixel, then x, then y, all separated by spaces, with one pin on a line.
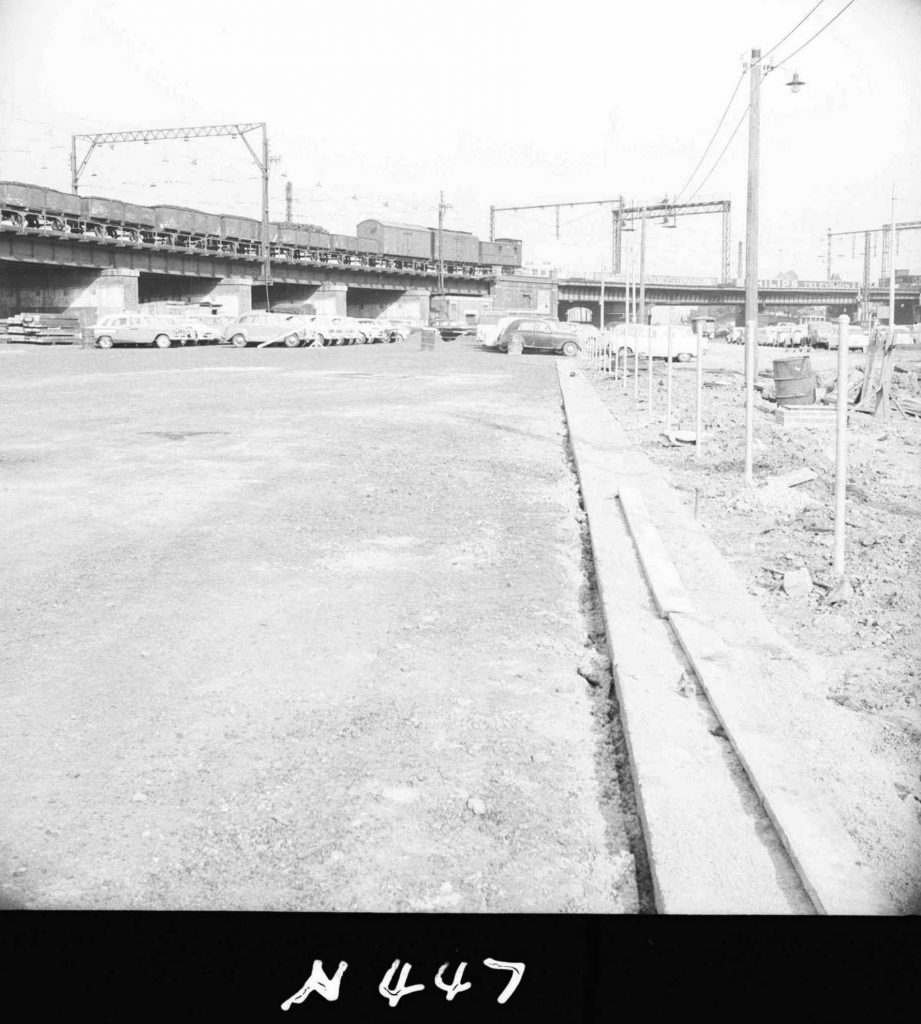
pixel 441 261
pixel 557 223
pixel 866 278
pixel 266 241
pixel 751 223
pixel 828 258
pixel 889 338
pixel 642 316
pixel 492 223
pixel 289 202
pixel 741 265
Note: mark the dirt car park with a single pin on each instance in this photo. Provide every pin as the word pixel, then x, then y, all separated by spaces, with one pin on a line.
pixel 263 652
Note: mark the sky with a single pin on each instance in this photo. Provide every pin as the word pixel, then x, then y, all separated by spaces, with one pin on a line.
pixel 374 108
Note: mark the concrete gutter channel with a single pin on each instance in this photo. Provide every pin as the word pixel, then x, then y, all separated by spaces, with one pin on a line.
pixel 733 822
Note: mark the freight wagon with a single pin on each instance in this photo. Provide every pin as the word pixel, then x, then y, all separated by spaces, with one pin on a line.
pixel 377 244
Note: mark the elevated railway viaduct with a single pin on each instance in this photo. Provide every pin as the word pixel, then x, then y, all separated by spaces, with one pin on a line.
pixel 91 279
pixel 837 297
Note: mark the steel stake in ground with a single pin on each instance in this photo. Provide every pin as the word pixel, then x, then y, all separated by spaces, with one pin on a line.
pixel 841 443
pixel 751 341
pixel 698 426
pixel 668 384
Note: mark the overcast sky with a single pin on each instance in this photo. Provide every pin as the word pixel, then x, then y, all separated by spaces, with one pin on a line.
pixel 373 107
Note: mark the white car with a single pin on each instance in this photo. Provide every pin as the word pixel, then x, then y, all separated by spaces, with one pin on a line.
pixel 626 339
pixel 261 328
pixel 142 329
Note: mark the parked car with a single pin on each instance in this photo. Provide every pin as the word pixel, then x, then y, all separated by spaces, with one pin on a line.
pixel 491 324
pixel 377 331
pixel 349 330
pixel 141 329
pixel 857 338
pixel 267 328
pixel 546 335
pixel 625 338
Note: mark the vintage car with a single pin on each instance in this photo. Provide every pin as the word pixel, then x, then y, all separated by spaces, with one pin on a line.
pixel 626 339
pixel 376 331
pixel 262 328
pixel 142 329
pixel 545 335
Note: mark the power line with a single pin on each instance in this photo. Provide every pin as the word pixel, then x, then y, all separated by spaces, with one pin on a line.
pixel 712 139
pixel 720 157
pixel 733 96
pixel 792 30
pixel 821 30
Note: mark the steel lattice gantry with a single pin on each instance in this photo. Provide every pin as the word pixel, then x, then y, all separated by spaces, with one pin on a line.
pixel 622 214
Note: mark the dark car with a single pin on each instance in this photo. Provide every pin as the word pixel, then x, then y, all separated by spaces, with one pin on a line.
pixel 547 335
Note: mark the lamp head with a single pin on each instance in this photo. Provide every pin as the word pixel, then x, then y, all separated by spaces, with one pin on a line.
pixel 795 83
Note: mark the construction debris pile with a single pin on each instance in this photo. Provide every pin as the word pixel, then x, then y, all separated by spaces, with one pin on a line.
pixel 43 328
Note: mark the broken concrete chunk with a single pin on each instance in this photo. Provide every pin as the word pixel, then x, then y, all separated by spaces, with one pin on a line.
pixel 476 805
pixel 797 583
pixel 841 592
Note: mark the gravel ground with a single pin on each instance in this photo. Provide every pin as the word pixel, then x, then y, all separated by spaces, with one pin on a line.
pixel 299 630
pixel 862 654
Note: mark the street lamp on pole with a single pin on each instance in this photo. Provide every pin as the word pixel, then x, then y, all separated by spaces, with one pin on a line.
pixel 756 72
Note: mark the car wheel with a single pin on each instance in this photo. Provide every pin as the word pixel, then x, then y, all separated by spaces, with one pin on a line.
pixel 292 341
pixel 238 341
pixel 683 357
pixel 163 341
pixel 105 341
pixel 570 348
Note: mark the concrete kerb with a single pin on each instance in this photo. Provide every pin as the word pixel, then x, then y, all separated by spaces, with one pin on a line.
pixel 816 841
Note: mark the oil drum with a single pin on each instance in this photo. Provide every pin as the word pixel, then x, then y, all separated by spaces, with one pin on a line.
pixel 794 381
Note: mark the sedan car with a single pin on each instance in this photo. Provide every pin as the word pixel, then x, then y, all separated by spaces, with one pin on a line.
pixel 268 328
pixel 548 336
pixel 141 329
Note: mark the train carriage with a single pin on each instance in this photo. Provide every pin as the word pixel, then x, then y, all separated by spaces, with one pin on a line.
pixel 407 241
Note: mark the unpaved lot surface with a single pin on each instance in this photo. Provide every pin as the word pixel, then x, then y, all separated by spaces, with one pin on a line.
pixel 862 654
pixel 298 630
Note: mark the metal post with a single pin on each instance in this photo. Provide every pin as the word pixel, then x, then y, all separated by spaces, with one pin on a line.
pixel 289 202
pixel 557 223
pixel 668 382
pixel 866 278
pixel 73 164
pixel 441 264
pixel 266 241
pixel 727 236
pixel 828 257
pixel 841 444
pixel 889 337
pixel 642 316
pixel 623 372
pixel 492 223
pixel 698 414
pixel 616 229
pixel 751 224
pixel 601 308
pixel 649 331
pixel 751 339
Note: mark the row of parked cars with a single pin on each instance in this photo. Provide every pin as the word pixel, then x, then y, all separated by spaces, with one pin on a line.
pixel 822 334
pixel 293 330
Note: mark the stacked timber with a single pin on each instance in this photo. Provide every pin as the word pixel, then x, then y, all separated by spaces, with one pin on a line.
pixel 44 328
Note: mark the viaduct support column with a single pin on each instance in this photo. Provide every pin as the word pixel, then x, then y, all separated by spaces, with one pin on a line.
pixel 413 304
pixel 331 300
pixel 117 292
pixel 235 295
